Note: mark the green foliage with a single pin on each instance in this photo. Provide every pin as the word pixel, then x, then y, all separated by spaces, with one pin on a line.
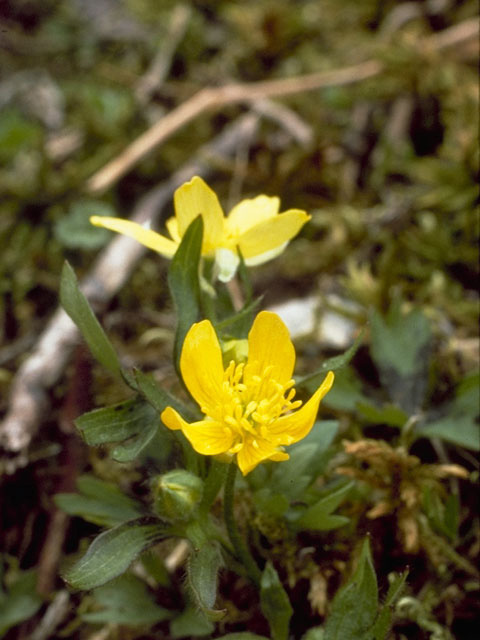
pixel 127 601
pixel 20 601
pixel 183 281
pixel 275 603
pixel 74 231
pixel 99 502
pixel 132 424
pixel 443 516
pixel 77 307
pixel 202 575
pixel 113 551
pixel 191 622
pixel 318 516
pixel 289 482
pixel 355 613
pixel 400 347
pixel 159 398
pixel 106 109
pixel 17 133
pixel 459 422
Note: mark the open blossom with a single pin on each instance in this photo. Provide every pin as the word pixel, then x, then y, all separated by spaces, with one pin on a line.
pixel 249 407
pixel 254 226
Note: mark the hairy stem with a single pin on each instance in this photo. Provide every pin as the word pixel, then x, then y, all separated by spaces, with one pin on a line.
pixel 241 550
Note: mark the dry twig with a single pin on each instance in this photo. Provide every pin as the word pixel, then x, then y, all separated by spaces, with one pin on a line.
pixel 214 98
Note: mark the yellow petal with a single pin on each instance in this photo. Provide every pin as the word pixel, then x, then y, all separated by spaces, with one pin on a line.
pixel 195 198
pixel 201 365
pixel 295 426
pixel 147 237
pixel 206 436
pixel 265 257
pixel 172 228
pixel 256 450
pixel 248 213
pixel 271 233
pixel 269 345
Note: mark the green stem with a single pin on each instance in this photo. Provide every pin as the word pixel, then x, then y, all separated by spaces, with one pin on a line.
pixel 213 484
pixel 241 550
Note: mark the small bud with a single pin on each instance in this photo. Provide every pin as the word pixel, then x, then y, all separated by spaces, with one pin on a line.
pixel 177 494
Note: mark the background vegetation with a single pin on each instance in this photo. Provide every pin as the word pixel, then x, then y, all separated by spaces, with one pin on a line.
pixel 388 168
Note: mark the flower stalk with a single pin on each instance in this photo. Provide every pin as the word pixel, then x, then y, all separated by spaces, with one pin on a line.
pixel 241 549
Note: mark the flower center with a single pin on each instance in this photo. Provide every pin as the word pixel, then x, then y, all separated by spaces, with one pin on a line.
pixel 251 401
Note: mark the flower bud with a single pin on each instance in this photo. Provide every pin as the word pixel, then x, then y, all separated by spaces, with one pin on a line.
pixel 177 494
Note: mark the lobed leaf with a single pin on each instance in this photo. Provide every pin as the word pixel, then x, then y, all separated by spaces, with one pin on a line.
pixel 117 423
pixel 275 603
pixel 127 601
pixel 112 552
pixel 318 517
pixel 99 502
pixel 202 574
pixel 354 607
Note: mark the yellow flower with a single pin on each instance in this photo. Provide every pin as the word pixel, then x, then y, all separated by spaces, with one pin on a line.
pixel 254 226
pixel 249 407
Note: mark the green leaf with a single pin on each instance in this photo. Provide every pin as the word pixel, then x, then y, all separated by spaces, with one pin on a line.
pixel 460 430
pixel 388 414
pixel 158 397
pixel 78 308
pixel 129 419
pixel 238 325
pixel 395 588
pixel 130 449
pixel 400 347
pixel 275 603
pixel 307 459
pixel 273 504
pixel 444 517
pixel 183 281
pixel 383 622
pixel 191 622
pixel 112 552
pixel 460 424
pixel 202 575
pixel 20 602
pixel 318 517
pixel 99 502
pixel 332 364
pixel 346 392
pixel 17 133
pixel 127 601
pixel 75 231
pixel 354 607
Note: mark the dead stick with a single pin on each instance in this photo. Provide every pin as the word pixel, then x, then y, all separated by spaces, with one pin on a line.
pixel 29 392
pixel 215 98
